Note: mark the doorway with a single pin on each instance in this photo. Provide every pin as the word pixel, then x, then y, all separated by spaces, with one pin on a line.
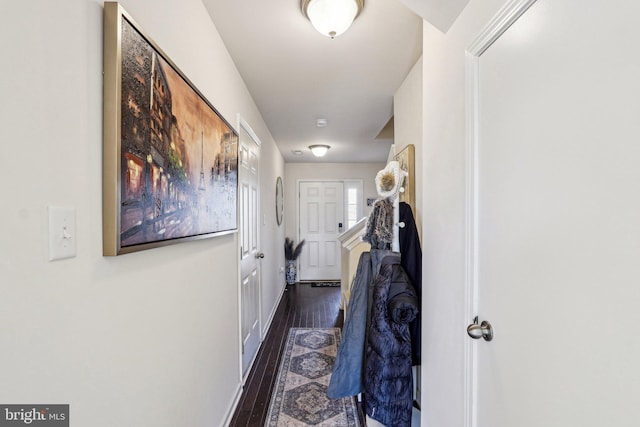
pixel 250 257
pixel 326 208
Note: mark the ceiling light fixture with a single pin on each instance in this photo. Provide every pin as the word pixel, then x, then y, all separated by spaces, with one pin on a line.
pixel 319 150
pixel 321 123
pixel 331 17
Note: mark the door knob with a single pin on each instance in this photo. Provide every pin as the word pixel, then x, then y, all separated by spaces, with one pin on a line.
pixel 260 255
pixel 483 330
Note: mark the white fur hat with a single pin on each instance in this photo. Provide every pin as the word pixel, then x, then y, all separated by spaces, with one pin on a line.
pixel 389 187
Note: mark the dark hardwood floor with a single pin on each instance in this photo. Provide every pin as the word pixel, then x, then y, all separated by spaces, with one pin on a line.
pixel 301 306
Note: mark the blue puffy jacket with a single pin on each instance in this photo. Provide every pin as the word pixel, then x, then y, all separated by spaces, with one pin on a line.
pixel 388 380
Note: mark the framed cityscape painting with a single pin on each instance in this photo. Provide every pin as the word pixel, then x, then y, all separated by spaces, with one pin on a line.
pixel 170 160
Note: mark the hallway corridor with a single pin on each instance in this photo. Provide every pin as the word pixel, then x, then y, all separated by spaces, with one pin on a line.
pixel 301 306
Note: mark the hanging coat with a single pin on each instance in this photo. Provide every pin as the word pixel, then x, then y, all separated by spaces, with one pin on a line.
pixel 348 369
pixel 411 260
pixel 388 381
pixel 347 378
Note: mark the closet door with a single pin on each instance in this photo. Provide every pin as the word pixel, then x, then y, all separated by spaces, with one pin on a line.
pixel 558 218
pixel 321 221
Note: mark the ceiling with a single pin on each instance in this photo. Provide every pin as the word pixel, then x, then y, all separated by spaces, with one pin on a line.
pixel 296 75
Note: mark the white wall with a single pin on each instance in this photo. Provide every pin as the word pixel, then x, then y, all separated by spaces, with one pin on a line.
pixel 149 338
pixel 324 171
pixel 443 212
pixel 272 234
pixel 407 117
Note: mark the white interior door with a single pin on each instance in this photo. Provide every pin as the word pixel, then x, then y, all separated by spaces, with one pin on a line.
pixel 555 246
pixel 249 161
pixel 321 220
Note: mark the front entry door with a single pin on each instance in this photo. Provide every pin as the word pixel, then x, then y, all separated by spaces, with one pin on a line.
pixel 321 221
pixel 556 207
pixel 249 161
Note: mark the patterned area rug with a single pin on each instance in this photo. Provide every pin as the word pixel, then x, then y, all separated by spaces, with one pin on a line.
pixel 300 397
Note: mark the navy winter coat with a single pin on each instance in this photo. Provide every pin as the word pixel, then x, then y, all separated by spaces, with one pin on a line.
pixel 388 378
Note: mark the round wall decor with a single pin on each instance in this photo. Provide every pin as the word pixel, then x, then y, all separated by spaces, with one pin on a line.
pixel 279 201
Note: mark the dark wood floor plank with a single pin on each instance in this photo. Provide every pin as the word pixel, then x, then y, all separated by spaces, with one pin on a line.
pixel 301 306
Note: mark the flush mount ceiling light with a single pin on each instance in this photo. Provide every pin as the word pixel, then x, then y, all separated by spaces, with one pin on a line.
pixel 319 150
pixel 331 17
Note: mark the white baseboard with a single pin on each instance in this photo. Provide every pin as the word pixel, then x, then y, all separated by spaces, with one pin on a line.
pixel 239 389
pixel 232 408
pixel 266 327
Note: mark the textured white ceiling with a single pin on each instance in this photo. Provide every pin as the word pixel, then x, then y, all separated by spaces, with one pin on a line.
pixel 296 75
pixel 440 13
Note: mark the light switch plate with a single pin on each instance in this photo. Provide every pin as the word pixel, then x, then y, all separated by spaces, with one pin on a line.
pixel 62 233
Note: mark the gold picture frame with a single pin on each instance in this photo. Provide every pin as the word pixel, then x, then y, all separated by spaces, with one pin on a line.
pixel 406 160
pixel 170 160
